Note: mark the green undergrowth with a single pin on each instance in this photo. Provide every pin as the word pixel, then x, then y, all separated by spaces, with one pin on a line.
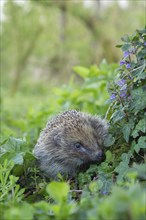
pixel 113 190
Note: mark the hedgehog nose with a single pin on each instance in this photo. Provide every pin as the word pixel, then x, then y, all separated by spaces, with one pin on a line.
pixel 100 156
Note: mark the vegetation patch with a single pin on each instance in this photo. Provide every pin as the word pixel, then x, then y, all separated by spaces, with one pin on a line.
pixel 112 190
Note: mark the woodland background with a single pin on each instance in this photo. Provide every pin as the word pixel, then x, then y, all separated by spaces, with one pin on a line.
pixel 43 40
pixel 59 55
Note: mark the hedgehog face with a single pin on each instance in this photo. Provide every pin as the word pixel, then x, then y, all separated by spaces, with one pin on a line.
pixel 81 142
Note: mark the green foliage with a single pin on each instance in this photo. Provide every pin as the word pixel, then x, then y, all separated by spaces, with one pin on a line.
pixel 127 111
pixel 92 94
pixel 58 191
pixel 63 209
pixel 112 190
pixel 16 150
pixel 126 199
pixel 10 190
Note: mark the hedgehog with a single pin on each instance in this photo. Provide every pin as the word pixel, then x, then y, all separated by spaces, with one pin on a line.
pixel 70 142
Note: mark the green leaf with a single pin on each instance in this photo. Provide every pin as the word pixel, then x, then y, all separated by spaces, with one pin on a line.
pixel 29 158
pixel 125 38
pixel 24 211
pixel 143 31
pixel 141 126
pixel 139 72
pixel 119 45
pixel 109 140
pixel 18 158
pixel 122 169
pixel 105 183
pixel 118 115
pixel 126 47
pixel 42 205
pixel 138 99
pixel 13 144
pixel 127 130
pixel 135 38
pixel 95 71
pixel 58 191
pixel 125 157
pixel 141 144
pixel 95 186
pixel 123 166
pixel 81 71
pixel 141 75
pixel 109 156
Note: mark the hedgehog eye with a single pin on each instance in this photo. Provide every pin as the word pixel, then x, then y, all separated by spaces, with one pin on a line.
pixel 78 145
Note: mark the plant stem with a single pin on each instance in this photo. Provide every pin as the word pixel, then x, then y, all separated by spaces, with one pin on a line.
pixel 126 115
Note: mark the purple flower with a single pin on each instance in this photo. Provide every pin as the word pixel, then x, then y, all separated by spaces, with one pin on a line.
pixel 123 93
pixel 104 193
pixel 126 54
pixel 128 66
pixel 145 43
pixel 121 82
pixel 113 96
pixel 122 63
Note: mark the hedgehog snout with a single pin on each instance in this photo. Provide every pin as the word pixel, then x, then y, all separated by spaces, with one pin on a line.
pixel 100 156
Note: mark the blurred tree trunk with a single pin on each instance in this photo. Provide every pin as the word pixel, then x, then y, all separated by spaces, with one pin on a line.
pixel 22 60
pixel 98 4
pixel 61 58
pixel 89 20
pixel 63 20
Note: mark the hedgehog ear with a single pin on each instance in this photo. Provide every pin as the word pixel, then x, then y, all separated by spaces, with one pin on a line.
pixel 57 138
pixel 94 123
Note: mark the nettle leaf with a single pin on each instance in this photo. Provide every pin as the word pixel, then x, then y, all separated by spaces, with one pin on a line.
pixel 141 144
pixel 142 75
pixel 106 183
pixel 139 72
pixel 141 55
pixel 109 141
pixel 126 47
pixel 58 191
pixel 13 144
pixel 118 115
pixel 18 158
pixel 139 69
pixel 127 130
pixel 16 150
pixel 135 38
pixel 123 166
pixel 126 157
pixel 141 126
pixel 139 99
pixel 121 169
